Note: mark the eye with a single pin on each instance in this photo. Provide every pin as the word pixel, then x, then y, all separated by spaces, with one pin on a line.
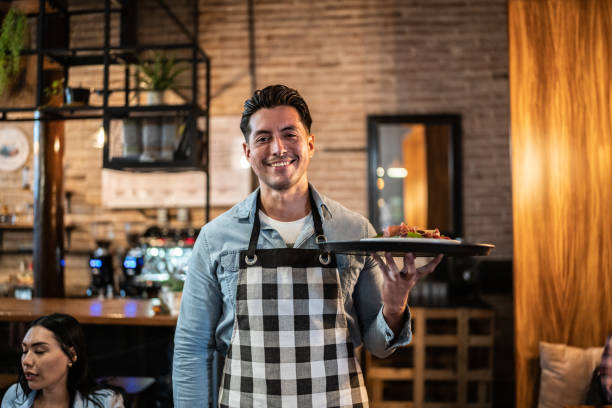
pixel 262 139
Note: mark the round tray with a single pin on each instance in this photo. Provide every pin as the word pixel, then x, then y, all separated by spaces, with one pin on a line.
pixel 400 246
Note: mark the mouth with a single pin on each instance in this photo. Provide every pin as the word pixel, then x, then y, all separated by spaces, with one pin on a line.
pixel 280 163
pixel 30 376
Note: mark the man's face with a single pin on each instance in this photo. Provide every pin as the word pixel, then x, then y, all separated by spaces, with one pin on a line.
pixel 279 147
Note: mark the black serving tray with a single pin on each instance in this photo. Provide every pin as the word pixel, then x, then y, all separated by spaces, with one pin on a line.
pixel 424 247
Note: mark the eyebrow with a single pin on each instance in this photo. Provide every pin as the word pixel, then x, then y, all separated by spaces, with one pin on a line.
pixel 267 132
pixel 40 343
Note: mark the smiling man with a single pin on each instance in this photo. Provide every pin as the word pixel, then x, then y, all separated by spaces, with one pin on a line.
pixel 285 315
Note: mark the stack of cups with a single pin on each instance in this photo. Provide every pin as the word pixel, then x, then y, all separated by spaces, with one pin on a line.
pixel 158 139
pixel 168 137
pixel 132 139
pixel 151 139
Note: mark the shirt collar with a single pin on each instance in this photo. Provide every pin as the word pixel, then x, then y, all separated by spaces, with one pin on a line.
pixel 246 208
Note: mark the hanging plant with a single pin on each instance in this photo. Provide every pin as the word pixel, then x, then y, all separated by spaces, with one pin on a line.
pixel 11 43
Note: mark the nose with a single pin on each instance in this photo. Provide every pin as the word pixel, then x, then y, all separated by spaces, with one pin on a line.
pixel 278 146
pixel 26 359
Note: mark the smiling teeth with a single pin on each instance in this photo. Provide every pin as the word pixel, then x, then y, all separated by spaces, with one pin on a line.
pixel 279 164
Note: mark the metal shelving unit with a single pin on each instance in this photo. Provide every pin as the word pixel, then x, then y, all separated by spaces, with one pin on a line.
pixel 193 109
pixel 4 228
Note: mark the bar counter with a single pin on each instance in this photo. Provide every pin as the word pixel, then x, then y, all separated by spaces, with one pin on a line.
pixel 131 312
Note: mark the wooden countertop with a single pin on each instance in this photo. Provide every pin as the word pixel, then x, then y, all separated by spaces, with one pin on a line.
pixel 133 312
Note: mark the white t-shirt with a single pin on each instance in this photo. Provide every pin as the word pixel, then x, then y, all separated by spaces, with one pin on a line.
pixel 288 230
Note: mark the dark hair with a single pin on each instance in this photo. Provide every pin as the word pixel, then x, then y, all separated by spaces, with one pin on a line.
pixel 271 97
pixel 69 334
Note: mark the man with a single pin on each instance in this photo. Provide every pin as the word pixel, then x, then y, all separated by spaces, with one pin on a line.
pixel 285 315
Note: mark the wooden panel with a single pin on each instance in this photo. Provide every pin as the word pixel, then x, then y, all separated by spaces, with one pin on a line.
pixel 414 160
pixel 439 180
pixel 560 86
pixel 134 312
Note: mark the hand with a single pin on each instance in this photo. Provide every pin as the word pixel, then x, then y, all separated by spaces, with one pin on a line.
pixel 398 283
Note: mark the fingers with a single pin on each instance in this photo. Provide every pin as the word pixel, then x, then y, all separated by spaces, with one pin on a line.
pixel 409 270
pixel 430 267
pixel 384 267
pixel 409 267
pixel 393 269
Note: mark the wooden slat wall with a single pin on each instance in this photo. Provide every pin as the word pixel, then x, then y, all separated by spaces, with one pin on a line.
pixel 561 121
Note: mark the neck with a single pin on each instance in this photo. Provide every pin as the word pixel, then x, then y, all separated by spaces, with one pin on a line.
pixel 53 397
pixel 285 205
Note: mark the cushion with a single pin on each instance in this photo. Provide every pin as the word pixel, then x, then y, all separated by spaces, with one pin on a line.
pixel 605 370
pixel 566 374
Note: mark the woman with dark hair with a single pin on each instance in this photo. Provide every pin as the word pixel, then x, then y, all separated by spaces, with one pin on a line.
pixel 53 370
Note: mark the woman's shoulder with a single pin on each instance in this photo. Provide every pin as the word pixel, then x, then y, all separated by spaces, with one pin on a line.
pixel 104 396
pixel 15 398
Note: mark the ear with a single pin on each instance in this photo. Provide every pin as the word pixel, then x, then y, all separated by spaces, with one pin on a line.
pixel 311 145
pixel 72 354
pixel 246 150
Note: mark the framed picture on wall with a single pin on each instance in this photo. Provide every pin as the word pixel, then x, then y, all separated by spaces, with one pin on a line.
pixel 414 171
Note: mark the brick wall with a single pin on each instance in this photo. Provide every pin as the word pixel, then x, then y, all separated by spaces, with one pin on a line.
pixel 349 59
pixel 354 58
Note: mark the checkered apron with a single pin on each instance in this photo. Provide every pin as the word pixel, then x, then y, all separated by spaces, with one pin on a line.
pixel 290 346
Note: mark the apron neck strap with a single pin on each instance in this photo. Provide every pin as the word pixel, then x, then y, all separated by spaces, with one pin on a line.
pixel 316 220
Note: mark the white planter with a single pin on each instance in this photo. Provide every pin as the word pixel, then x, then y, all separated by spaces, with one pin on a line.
pixel 155 97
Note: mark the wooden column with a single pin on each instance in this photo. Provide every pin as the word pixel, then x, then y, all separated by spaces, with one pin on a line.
pixel 48 205
pixel 561 121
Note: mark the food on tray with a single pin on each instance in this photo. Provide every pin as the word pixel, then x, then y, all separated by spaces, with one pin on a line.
pixel 405 231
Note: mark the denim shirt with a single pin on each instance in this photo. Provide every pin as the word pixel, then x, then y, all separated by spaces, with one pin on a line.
pixel 206 317
pixel 16 398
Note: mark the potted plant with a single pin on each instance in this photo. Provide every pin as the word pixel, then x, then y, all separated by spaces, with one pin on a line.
pixel 12 39
pixel 52 92
pixel 73 96
pixel 158 76
pixel 171 293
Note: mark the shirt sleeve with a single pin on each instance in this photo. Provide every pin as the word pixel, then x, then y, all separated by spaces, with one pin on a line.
pixel 194 339
pixel 15 397
pixel 378 337
pixel 117 401
pixel 8 401
pixel 107 397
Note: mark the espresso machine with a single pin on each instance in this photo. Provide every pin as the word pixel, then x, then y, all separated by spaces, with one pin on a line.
pixel 132 264
pixel 101 266
pixel 101 261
